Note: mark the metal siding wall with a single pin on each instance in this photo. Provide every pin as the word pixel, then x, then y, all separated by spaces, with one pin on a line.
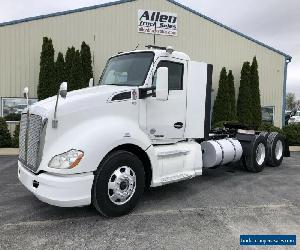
pixel 112 29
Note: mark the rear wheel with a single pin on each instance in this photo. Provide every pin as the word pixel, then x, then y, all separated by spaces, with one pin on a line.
pixel 118 185
pixel 256 160
pixel 276 149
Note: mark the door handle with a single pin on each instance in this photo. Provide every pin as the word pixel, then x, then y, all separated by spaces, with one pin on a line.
pixel 178 125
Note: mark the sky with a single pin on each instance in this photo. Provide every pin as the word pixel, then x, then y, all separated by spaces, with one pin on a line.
pixel 274 22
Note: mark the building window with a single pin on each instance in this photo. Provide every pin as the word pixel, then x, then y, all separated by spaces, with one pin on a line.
pixel 268 114
pixel 14 106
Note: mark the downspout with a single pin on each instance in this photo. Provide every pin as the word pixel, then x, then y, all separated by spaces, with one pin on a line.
pixel 287 60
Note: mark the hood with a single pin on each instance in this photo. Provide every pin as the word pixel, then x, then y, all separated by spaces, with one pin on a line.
pixel 78 99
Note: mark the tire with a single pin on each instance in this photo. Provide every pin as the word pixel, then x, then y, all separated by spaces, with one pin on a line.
pixel 256 160
pixel 121 173
pixel 275 149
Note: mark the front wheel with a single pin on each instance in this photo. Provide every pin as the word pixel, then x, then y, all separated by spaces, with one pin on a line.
pixel 119 183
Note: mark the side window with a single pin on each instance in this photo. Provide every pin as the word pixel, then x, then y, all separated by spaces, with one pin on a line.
pixel 175 74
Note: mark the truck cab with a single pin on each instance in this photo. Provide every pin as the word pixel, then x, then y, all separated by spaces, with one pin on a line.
pixel 147 123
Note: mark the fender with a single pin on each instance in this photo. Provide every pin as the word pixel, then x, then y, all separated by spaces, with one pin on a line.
pixel 96 138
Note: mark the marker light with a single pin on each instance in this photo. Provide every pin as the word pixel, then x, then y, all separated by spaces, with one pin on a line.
pixel 170 50
pixel 66 160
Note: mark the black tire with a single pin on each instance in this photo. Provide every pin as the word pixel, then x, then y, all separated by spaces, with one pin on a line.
pixel 250 161
pixel 101 198
pixel 275 157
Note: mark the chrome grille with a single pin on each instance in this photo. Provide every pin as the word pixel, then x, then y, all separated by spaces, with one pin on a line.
pixel 22 138
pixel 31 129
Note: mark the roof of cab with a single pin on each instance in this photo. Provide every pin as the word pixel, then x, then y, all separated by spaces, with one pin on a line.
pixel 160 53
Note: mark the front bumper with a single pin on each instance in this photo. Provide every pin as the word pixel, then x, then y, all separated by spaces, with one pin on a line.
pixel 62 191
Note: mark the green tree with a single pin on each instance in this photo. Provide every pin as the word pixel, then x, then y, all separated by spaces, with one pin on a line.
pixel 76 79
pixel 244 101
pixel 290 101
pixel 222 106
pixel 256 115
pixel 5 138
pixel 86 59
pixel 15 138
pixel 60 72
pixel 47 72
pixel 231 97
pixel 69 62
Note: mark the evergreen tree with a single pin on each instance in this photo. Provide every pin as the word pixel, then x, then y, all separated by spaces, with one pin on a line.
pixel 69 62
pixel 60 72
pixel 47 72
pixel 76 74
pixel 15 138
pixel 86 59
pixel 222 105
pixel 5 138
pixel 244 99
pixel 231 97
pixel 255 96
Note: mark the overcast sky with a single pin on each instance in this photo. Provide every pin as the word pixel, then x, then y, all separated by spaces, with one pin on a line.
pixel 274 22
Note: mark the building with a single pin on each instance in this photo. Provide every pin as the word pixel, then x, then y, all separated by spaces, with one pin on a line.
pixel 122 26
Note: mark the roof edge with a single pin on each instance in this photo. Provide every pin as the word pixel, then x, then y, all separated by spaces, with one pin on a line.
pixel 62 13
pixel 288 57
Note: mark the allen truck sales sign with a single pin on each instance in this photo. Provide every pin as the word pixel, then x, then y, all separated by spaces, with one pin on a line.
pixel 166 23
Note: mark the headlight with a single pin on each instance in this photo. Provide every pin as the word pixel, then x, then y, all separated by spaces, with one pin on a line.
pixel 66 160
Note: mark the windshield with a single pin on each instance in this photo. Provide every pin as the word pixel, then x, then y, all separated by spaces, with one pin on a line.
pixel 127 70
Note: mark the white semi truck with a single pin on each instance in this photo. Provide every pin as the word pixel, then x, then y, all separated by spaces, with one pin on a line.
pixel 147 123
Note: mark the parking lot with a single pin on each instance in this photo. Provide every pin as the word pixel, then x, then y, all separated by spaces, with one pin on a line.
pixel 208 212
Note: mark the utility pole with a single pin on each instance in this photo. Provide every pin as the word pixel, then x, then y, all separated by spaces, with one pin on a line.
pixel 154 33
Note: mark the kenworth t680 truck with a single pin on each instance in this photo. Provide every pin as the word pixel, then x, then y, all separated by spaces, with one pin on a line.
pixel 147 123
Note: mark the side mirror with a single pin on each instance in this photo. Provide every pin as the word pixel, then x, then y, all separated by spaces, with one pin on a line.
pixel 91 82
pixel 63 89
pixel 162 84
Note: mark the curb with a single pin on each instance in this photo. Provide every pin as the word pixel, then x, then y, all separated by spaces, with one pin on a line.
pixel 9 151
pixel 295 148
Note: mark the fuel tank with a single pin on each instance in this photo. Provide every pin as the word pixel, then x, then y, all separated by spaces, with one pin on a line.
pixel 221 152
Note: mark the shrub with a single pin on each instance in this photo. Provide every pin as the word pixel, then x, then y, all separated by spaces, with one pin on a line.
pixel 292 133
pixel 244 99
pixel 69 62
pixel 221 107
pixel 255 95
pixel 5 139
pixel 76 74
pixel 221 124
pixel 231 96
pixel 47 71
pixel 15 139
pixel 12 117
pixel 86 60
pixel 270 128
pixel 60 73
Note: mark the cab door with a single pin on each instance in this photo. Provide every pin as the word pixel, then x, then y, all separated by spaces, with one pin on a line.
pixel 166 119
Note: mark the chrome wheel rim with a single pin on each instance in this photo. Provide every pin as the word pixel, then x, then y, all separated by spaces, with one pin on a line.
pixel 278 150
pixel 260 153
pixel 121 185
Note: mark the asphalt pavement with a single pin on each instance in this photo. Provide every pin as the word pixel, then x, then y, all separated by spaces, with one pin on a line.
pixel 208 212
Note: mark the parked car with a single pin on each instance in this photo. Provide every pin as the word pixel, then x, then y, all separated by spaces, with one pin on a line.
pixel 295 118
